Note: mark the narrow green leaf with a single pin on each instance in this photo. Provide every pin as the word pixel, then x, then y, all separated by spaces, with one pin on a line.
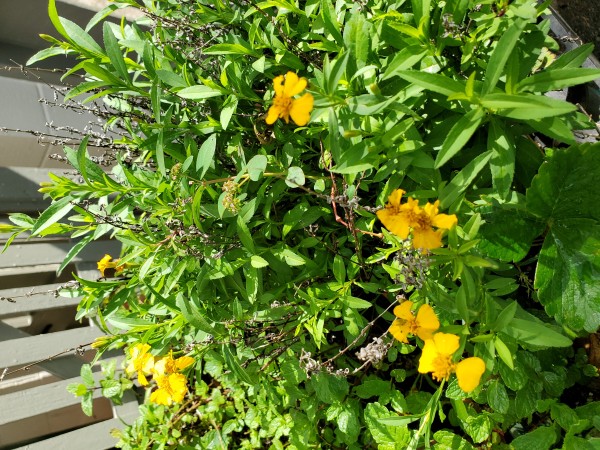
pixel 557 79
pixel 432 81
pixel 502 162
pixel 463 179
pixel 55 19
pixel 244 235
pixel 459 135
pixel 74 251
pixel 505 316
pixel 535 333
pixel 503 352
pixel 573 58
pixel 526 106
pixel 114 52
pixel 160 153
pixel 200 92
pixel 235 366
pixel 45 53
pixel 56 211
pixel 331 23
pixel 500 55
pixel 80 39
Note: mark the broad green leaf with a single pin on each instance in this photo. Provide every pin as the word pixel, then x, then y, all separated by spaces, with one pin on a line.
pixel 565 195
pixel 206 154
pixel 503 352
pixel 44 54
pixel 82 40
pixel 329 388
pixel 446 440
pixel 508 234
pixel 404 59
pixel 432 82
pixel 258 262
pixel 295 177
pixel 497 396
pixel 459 135
pixel 86 375
pixel 500 55
pixel 390 436
pixel 56 211
pixel 557 79
pixel 256 167
pixel 542 438
pixel 229 108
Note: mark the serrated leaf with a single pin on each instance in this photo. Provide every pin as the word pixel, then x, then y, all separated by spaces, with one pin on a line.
pixel 565 195
pixel 110 388
pixel 497 397
pixel 542 438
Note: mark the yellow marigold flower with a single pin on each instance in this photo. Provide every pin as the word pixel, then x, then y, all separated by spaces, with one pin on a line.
pixel 401 218
pixel 105 263
pixel 141 362
pixel 171 389
pixel 437 357
pixel 167 365
pixel 285 106
pixel 423 325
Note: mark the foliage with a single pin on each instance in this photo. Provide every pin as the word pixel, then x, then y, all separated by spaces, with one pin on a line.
pixel 256 249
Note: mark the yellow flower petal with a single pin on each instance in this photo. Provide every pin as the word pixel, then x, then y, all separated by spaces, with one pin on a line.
pixel 444 221
pixel 397 224
pixel 301 108
pixel 427 322
pixel 428 356
pixel 278 85
pixel 404 310
pixel 183 362
pixel 400 329
pixel 293 84
pixel 427 238
pixel 396 197
pixel 272 115
pixel 445 343
pixel 469 372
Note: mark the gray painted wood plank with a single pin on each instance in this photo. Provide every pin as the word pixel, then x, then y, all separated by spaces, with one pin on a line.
pixel 92 437
pixel 38 298
pixel 64 367
pixel 35 253
pixel 26 350
pixel 19 188
pixel 41 399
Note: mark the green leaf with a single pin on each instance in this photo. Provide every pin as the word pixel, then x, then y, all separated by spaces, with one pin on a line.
pixel 295 177
pixel 206 154
pixel 573 58
pixel 463 179
pixel 193 315
pixel 508 234
pixel 565 195
pixel 80 39
pixel 557 79
pixel 330 22
pixel 542 438
pixel 232 49
pixel 504 352
pixel 110 388
pixel 77 389
pixel 229 108
pixel 432 82
pixel 329 388
pixel 446 440
pixel 86 375
pixel 258 262
pixel 396 437
pixel 497 396
pixel 244 235
pixel 505 316
pixel 535 333
pixel 459 135
pixel 404 59
pixel 372 388
pixel 199 92
pixel 87 404
pixel 73 252
pixel 114 52
pixel 525 106
pixel 500 55
pixel 502 163
pixel 256 167
pixel 232 361
pixel 45 53
pixel 356 38
pixel 56 211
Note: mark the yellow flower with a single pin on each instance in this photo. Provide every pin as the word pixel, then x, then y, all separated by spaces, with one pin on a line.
pixel 285 106
pixel 168 365
pixel 141 362
pixel 171 389
pixel 105 263
pixel 437 357
pixel 401 218
pixel 423 325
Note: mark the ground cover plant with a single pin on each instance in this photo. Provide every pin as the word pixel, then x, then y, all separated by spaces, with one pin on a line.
pixel 343 224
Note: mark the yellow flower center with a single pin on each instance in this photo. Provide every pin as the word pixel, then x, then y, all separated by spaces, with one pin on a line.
pixel 443 367
pixel 420 221
pixel 284 104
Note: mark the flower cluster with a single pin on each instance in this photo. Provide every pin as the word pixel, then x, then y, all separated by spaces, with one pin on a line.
pixel 439 349
pixel 166 371
pixel 285 105
pixel 400 219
